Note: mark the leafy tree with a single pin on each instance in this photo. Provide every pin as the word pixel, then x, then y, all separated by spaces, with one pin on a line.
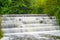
pixel 50 7
pixel 12 6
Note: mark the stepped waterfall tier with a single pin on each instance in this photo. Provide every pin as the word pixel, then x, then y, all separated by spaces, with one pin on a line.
pixel 30 27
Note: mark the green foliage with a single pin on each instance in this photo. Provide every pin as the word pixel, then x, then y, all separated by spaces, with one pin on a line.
pixel 28 6
pixel 10 6
pixel 57 14
pixel 1 33
pixel 21 6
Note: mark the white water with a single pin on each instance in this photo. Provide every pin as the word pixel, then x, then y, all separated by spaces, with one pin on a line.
pixel 24 28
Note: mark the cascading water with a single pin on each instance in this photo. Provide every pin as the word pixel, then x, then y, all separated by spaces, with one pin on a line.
pixel 28 27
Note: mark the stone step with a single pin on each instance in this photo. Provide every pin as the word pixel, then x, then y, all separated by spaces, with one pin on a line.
pixel 41 17
pixel 26 38
pixel 25 15
pixel 29 29
pixel 45 38
pixel 43 33
pixel 25 25
pixel 5 38
pixel 38 25
pixel 30 20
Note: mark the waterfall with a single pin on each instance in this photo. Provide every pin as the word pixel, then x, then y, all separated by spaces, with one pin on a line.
pixel 28 27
